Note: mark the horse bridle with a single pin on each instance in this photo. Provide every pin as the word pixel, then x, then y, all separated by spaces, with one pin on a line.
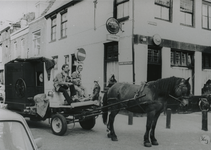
pixel 178 99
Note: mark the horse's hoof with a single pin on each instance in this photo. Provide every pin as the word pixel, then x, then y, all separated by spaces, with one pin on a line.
pixel 114 139
pixel 109 135
pixel 155 143
pixel 147 144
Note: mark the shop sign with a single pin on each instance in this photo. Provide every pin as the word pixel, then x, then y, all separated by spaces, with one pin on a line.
pixel 112 25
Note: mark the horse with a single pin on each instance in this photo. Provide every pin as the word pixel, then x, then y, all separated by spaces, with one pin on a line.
pixel 130 96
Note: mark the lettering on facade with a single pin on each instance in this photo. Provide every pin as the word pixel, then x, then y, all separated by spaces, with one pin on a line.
pixel 125 63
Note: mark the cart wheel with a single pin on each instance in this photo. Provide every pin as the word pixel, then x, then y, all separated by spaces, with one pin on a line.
pixel 87 124
pixel 58 124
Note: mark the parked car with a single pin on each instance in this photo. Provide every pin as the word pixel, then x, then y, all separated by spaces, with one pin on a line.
pixel 15 133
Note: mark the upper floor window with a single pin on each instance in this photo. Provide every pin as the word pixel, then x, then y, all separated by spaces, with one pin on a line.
pixel 121 9
pixel 53 28
pixel 181 58
pixel 206 15
pixel 187 12
pixel 206 61
pixel 163 9
pixel 64 23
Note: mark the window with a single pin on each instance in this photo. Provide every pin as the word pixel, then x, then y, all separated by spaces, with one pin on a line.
pixel 66 58
pixel 53 28
pixel 163 9
pixel 111 51
pixel 15 49
pixel 154 56
pixel 36 43
pixel 64 24
pixel 121 9
pixel 186 10
pixel 181 58
pixel 206 61
pixel 206 15
pixel 22 48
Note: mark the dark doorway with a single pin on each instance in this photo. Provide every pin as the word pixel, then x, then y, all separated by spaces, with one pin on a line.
pixel 154 64
pixel 111 65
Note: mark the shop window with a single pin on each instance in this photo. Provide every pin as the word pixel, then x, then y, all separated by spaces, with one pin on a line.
pixel 181 58
pixel 154 56
pixel 206 15
pixel 121 10
pixel 187 12
pixel 163 9
pixel 53 28
pixel 64 24
pixel 206 61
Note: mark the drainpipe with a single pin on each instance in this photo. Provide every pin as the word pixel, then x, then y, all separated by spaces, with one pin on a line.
pixel 133 52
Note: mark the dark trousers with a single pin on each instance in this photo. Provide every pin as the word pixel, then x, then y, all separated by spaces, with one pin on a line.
pixel 65 93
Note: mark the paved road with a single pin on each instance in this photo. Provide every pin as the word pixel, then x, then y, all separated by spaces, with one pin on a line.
pixel 184 134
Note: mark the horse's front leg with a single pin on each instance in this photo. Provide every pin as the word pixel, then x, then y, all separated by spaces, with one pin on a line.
pixel 150 118
pixel 152 133
pixel 110 126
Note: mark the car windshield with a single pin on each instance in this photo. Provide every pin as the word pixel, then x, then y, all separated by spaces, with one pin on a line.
pixel 13 136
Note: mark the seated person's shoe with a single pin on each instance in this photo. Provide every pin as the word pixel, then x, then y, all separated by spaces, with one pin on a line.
pixel 75 99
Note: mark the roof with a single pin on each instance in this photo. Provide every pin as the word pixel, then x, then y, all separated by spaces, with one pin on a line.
pixel 9 115
pixel 60 5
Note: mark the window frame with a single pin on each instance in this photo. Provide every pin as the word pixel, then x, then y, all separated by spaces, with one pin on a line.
pixel 187 62
pixel 208 22
pixel 53 26
pixel 115 11
pixel 63 22
pixel 203 61
pixel 154 59
pixel 186 12
pixel 169 12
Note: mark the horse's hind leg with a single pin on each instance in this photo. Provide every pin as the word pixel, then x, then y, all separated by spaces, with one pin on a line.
pixel 110 125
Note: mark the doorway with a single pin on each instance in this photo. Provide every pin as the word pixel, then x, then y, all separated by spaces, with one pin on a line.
pixel 154 64
pixel 111 64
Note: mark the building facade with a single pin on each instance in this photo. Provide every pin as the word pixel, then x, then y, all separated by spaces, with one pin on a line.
pixel 155 39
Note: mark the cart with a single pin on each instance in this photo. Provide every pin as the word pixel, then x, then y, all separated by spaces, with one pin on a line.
pixel 29 91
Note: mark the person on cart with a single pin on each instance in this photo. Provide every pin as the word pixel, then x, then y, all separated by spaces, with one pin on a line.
pixel 62 83
pixel 96 91
pixel 76 80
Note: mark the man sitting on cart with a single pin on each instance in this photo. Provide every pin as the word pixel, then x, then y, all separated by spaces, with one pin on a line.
pixel 76 80
pixel 62 83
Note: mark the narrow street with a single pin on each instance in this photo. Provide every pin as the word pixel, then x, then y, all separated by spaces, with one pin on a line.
pixel 184 134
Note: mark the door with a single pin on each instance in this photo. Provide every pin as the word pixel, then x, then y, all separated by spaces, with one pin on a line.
pixel 111 64
pixel 154 64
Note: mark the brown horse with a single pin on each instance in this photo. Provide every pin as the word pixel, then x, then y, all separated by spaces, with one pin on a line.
pixel 156 95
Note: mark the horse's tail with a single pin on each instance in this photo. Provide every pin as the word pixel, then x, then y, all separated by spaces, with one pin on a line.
pixel 105 110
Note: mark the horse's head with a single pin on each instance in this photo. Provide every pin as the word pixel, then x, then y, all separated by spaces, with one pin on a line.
pixel 182 90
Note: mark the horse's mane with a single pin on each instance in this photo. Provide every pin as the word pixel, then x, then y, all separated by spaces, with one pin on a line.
pixel 164 87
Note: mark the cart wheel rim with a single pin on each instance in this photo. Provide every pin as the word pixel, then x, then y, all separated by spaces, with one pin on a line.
pixel 57 125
